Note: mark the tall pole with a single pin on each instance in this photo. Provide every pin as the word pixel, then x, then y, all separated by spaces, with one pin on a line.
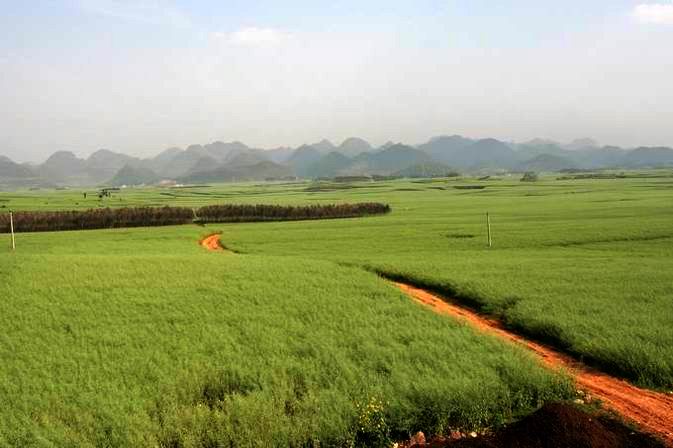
pixel 488 228
pixel 11 229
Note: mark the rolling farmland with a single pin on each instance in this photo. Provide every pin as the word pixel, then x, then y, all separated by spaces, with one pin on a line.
pixel 141 337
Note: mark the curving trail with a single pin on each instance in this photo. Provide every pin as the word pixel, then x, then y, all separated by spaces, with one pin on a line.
pixel 652 411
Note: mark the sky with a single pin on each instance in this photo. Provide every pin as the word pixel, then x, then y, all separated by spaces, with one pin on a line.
pixel 140 76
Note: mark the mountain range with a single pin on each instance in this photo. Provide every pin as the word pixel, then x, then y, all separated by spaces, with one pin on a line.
pixel 235 161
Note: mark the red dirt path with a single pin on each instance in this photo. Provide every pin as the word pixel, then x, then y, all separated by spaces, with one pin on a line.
pixel 652 411
pixel 212 242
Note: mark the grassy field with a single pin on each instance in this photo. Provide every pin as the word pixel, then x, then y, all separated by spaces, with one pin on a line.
pixel 140 337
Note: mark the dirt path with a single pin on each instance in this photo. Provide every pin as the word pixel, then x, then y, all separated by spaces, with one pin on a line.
pixel 212 242
pixel 652 411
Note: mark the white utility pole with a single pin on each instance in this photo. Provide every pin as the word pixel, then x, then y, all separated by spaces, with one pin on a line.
pixel 11 229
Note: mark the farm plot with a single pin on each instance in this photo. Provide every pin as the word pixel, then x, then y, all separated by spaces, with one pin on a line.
pixel 586 266
pixel 132 337
pixel 582 264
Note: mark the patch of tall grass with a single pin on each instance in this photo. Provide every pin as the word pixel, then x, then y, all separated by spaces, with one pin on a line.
pixel 188 348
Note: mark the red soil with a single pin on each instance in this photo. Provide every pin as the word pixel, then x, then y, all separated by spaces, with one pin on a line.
pixel 554 426
pixel 652 411
pixel 212 242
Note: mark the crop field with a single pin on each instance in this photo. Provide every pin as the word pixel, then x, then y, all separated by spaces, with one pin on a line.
pixel 140 337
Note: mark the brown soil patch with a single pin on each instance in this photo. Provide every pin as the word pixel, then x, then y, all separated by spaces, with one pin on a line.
pixel 652 411
pixel 212 242
pixel 558 425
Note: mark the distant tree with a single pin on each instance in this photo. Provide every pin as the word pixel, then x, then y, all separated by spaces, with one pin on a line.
pixel 529 177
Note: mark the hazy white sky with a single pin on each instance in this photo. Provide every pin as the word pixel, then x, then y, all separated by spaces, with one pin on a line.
pixel 139 76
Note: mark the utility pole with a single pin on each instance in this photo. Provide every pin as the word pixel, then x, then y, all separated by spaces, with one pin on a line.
pixel 488 229
pixel 11 229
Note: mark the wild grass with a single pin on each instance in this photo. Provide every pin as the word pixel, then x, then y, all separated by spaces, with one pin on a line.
pixel 164 344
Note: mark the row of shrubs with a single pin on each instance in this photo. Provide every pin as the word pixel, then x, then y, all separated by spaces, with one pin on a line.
pixel 105 218
pixel 248 213
pixel 101 218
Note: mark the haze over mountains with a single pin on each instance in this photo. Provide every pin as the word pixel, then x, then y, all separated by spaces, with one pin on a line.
pixel 235 161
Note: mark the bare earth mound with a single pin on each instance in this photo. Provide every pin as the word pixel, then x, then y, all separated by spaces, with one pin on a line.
pixel 212 242
pixel 560 426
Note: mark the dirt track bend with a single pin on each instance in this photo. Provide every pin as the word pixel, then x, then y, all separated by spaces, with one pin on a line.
pixel 652 411
pixel 212 242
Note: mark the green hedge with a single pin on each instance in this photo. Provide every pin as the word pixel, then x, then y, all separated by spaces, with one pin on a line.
pixel 106 218
pixel 242 212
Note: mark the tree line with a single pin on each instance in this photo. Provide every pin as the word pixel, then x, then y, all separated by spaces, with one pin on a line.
pixel 264 212
pixel 107 218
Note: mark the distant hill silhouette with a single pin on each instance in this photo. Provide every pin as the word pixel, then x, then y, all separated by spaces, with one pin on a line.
pixel 485 154
pixel 606 157
pixel 541 142
pixel 204 163
pixel 183 162
pixel 324 146
pixel 133 175
pixel 649 157
pixel 224 161
pixel 386 145
pixel 10 169
pixel 354 146
pixel 61 165
pixel 159 162
pixel 445 148
pixel 582 143
pixel 246 158
pixel 279 155
pixel 103 164
pixel 259 171
pixel 547 162
pixel 387 161
pixel 302 159
pixel 329 165
pixel 527 151
pixel 394 158
pixel 220 150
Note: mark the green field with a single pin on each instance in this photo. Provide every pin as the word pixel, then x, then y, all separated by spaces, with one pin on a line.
pixel 135 337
